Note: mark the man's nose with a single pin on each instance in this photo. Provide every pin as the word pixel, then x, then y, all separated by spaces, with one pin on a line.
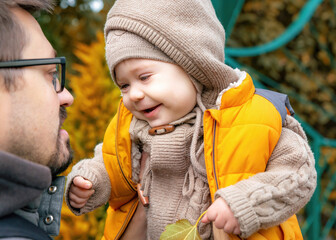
pixel 66 99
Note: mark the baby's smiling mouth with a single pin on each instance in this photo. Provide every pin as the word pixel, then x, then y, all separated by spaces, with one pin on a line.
pixel 148 110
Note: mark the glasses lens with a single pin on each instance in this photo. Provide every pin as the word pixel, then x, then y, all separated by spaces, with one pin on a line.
pixel 57 78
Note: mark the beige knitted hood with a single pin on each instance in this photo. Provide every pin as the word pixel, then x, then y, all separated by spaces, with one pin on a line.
pixel 187 31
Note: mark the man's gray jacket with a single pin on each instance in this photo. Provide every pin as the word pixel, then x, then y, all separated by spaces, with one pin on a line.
pixel 29 199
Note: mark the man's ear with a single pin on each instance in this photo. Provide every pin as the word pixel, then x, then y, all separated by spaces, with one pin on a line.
pixel 4 113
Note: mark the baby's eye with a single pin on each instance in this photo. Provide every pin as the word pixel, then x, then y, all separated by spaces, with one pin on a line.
pixel 124 86
pixel 144 77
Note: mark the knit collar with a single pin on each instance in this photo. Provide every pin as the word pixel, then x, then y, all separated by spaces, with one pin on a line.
pixel 142 140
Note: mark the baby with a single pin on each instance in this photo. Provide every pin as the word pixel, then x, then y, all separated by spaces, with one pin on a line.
pixel 191 134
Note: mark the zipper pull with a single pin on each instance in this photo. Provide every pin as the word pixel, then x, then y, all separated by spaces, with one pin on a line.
pixel 144 200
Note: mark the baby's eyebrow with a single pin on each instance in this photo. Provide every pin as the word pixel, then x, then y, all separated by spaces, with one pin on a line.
pixel 135 69
pixel 140 67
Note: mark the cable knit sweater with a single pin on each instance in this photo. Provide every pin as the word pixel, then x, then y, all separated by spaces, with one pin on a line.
pixel 169 172
pixel 284 188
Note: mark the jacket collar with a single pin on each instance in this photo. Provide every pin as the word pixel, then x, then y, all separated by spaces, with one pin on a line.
pixel 26 189
pixel 45 211
pixel 21 182
pixel 236 93
pixel 51 205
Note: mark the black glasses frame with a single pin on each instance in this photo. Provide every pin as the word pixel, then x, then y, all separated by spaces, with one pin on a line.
pixel 37 62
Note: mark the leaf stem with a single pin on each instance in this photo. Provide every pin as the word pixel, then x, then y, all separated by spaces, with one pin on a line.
pixel 199 219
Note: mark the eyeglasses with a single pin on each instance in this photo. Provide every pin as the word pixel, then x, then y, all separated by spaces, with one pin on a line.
pixel 58 76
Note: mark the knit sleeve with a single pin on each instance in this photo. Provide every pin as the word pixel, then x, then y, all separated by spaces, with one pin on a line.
pixel 269 198
pixel 93 170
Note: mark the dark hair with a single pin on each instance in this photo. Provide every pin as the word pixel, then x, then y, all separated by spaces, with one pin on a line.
pixel 12 35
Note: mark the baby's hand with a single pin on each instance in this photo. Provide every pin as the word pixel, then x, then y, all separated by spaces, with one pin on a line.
pixel 222 217
pixel 80 192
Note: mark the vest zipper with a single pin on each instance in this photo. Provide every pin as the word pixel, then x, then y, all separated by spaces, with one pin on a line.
pixel 214 161
pixel 213 154
pixel 116 146
pixel 127 220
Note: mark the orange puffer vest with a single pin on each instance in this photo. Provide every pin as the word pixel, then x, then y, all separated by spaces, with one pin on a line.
pixel 238 141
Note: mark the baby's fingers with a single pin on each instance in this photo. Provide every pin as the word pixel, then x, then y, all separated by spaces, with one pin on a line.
pixel 80 192
pixel 205 219
pixel 82 183
pixel 75 201
pixel 236 230
pixel 230 227
pixel 209 216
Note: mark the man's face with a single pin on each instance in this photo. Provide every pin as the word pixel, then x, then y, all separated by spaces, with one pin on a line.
pixel 32 114
pixel 155 91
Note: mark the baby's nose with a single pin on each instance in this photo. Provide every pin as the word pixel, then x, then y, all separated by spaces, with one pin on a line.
pixel 136 94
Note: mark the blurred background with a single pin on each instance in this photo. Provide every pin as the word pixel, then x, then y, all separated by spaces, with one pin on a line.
pixel 287 46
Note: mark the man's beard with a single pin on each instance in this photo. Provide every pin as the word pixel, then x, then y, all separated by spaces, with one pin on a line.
pixel 59 161
pixel 25 147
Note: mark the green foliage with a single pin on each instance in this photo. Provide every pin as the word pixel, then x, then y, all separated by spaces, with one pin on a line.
pixel 305 68
pixel 72 24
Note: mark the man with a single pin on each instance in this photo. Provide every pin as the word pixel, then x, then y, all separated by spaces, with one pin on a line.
pixel 33 147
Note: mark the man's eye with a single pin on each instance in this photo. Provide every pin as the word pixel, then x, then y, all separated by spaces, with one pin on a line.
pixel 54 77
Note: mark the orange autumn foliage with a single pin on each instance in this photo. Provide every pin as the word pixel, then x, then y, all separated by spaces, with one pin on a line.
pixel 96 101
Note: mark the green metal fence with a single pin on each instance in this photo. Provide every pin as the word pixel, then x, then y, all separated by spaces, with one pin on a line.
pixel 315 223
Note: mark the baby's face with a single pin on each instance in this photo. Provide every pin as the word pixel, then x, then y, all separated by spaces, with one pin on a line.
pixel 155 91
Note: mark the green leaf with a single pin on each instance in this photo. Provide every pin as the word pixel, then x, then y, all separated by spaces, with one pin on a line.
pixel 182 230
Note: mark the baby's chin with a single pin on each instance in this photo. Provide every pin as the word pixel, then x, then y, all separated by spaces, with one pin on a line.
pixel 156 125
pixel 152 123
